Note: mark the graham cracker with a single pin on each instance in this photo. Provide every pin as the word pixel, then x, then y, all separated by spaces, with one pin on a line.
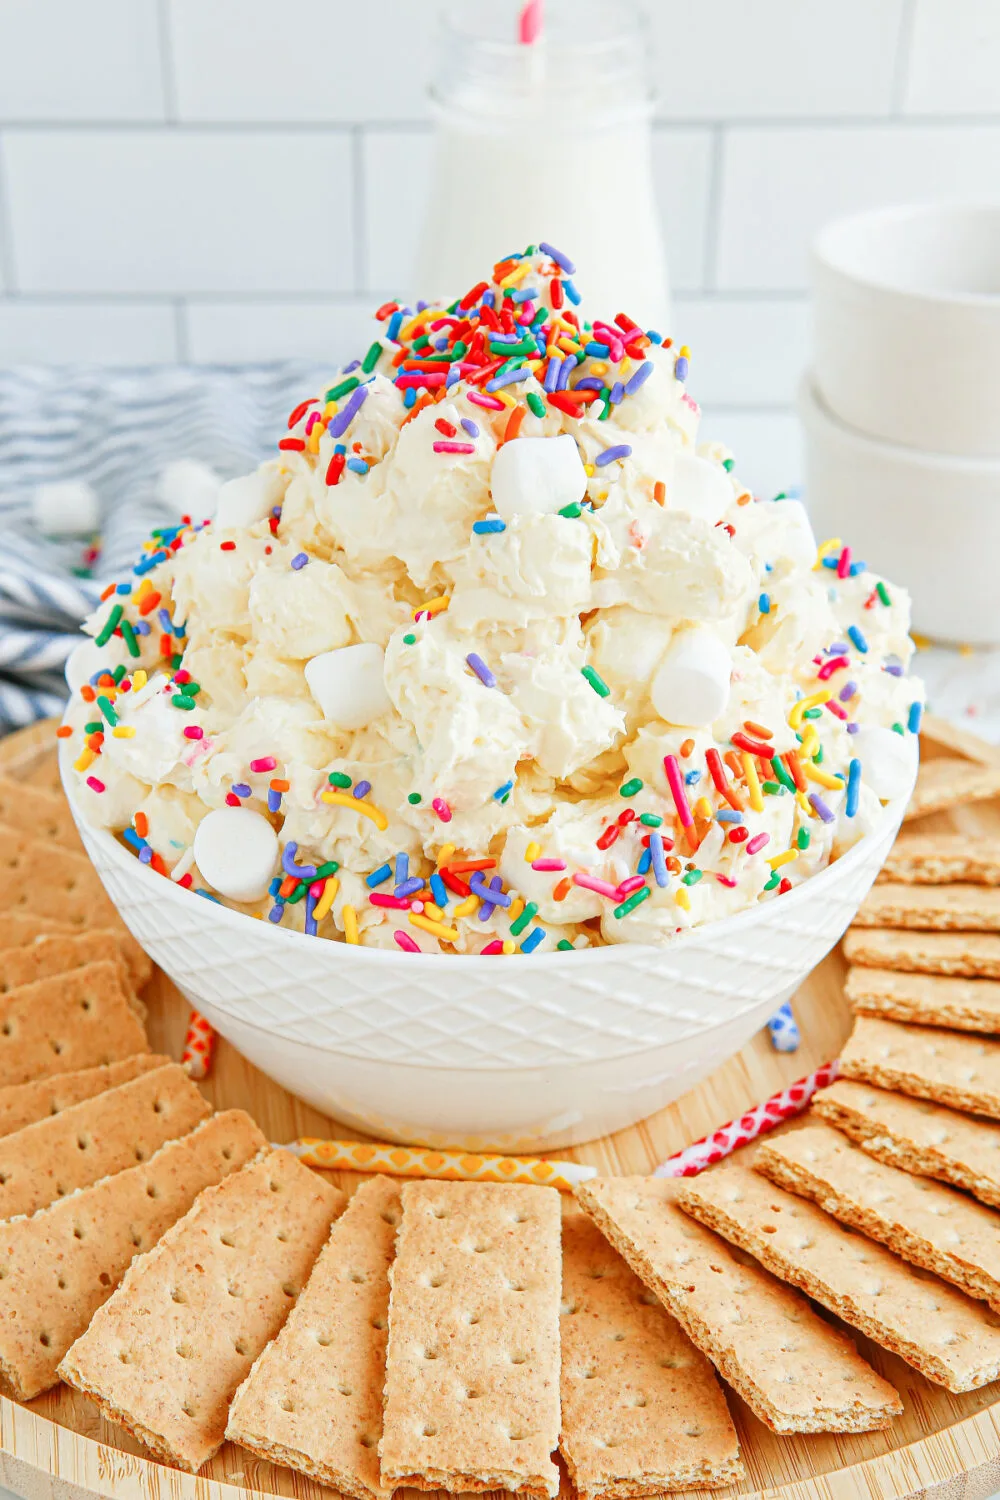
pixel 945 1335
pixel 65 1023
pixel 950 1068
pixel 939 858
pixel 54 955
pixel 65 1261
pixel 38 812
pixel 924 1222
pixel 44 773
pixel 642 1410
pixel 976 955
pixel 925 999
pixel 22 1104
pixel 95 1138
pixel 36 875
pixel 313 1400
pixel 918 1136
pixel 472 1363
pixel 165 1354
pixel 931 908
pixel 19 929
pixel 948 782
pixel 796 1372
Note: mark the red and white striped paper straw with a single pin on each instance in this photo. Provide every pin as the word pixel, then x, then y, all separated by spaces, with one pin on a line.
pixel 784 1105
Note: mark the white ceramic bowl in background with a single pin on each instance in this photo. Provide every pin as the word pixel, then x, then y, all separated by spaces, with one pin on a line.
pixel 906 306
pixel 524 1054
pixel 928 520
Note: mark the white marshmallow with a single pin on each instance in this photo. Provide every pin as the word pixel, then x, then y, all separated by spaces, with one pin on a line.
pixel 244 501
pixel 189 488
pixel 888 760
pixel 236 850
pixel 87 658
pixel 691 686
pixel 349 685
pixel 537 476
pixel 70 508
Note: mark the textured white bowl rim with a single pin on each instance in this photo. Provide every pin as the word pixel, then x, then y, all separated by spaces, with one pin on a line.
pixel 604 954
pixel 825 251
pixel 811 399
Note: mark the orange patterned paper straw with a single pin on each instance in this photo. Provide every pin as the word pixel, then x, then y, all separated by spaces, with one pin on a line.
pixel 199 1045
pixel 450 1166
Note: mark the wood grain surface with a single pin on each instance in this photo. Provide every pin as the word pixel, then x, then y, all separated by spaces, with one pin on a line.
pixel 58 1448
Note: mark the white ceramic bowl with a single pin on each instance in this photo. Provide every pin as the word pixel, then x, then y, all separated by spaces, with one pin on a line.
pixel 929 520
pixel 523 1054
pixel 907 325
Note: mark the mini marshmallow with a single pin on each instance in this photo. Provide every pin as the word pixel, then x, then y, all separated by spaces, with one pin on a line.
pixel 888 760
pixel 236 850
pixel 691 686
pixel 243 502
pixel 537 476
pixel 70 508
pixel 189 488
pixel 87 658
pixel 349 685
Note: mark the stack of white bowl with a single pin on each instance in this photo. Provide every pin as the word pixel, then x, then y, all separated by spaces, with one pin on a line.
pixel 902 406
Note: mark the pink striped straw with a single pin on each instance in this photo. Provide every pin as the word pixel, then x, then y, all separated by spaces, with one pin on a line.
pixel 531 22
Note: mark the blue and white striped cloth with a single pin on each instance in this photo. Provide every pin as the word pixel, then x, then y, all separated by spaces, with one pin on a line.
pixel 117 430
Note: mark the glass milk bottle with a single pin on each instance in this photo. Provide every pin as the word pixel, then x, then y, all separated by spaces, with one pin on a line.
pixel 549 141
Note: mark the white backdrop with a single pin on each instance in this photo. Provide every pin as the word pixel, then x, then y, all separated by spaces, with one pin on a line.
pixel 221 180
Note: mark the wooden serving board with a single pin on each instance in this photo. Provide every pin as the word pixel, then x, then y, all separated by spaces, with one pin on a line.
pixel 58 1448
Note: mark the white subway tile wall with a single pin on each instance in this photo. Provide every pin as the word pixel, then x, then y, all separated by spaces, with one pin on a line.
pixel 230 180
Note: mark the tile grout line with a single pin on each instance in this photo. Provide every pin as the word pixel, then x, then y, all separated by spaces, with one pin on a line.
pixel 168 74
pixel 748 408
pixel 682 125
pixel 8 275
pixel 225 299
pixel 904 51
pixel 359 208
pixel 349 301
pixel 713 210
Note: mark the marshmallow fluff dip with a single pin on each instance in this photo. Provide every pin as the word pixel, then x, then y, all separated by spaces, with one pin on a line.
pixel 491 657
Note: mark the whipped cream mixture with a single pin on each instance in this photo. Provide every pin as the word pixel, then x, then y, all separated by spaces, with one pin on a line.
pixel 493 657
